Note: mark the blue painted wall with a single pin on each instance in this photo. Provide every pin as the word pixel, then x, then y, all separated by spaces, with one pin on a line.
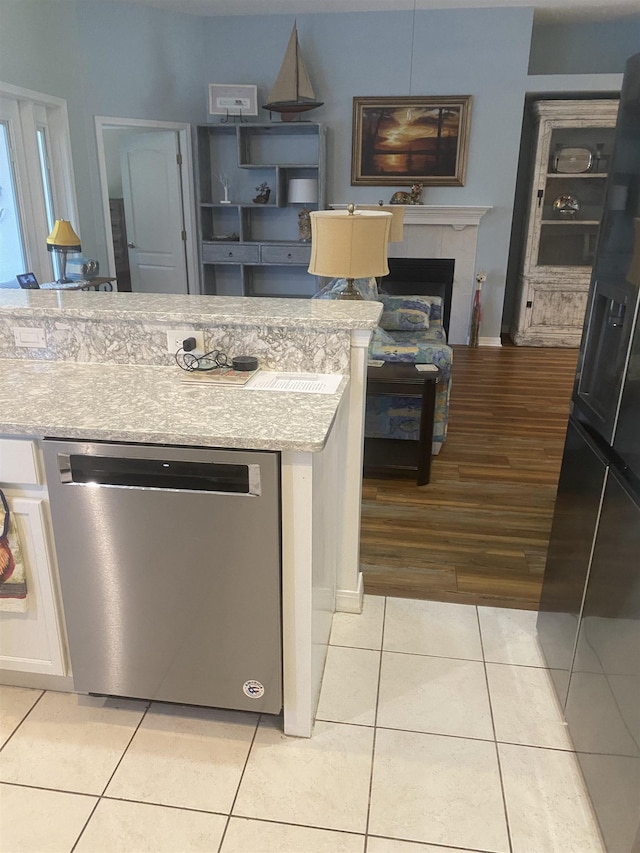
pixel 105 59
pixel 114 59
pixel 591 47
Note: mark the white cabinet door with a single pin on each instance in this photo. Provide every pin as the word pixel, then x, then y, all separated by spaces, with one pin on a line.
pixel 32 641
pixel 151 178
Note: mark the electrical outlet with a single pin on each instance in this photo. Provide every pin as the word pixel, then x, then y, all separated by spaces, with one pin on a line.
pixel 175 337
pixel 29 337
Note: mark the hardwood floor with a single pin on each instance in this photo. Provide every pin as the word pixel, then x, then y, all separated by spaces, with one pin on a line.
pixel 478 532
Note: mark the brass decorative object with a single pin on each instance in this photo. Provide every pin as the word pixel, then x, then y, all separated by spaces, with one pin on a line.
pixel 414 196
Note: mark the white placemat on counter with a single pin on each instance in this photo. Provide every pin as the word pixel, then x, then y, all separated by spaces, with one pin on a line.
pixel 307 383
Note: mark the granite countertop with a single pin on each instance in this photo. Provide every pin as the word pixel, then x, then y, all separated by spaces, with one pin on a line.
pixel 151 404
pixel 223 310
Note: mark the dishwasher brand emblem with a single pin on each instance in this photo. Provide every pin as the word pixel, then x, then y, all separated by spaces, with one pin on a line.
pixel 253 689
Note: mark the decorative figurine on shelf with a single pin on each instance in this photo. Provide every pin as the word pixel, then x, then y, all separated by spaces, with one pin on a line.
pixel 566 207
pixel 304 226
pixel 225 180
pixel 264 191
pixel 412 197
pixel 476 312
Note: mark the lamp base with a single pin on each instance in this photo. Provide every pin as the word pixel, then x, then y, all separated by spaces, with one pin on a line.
pixel 350 291
pixel 63 267
pixel 304 226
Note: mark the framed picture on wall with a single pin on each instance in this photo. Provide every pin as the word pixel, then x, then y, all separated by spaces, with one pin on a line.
pixel 228 99
pixel 398 141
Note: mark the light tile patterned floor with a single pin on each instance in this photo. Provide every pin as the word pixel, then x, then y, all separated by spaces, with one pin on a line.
pixel 438 732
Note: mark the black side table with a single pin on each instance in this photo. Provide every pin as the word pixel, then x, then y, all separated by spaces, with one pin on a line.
pixel 394 456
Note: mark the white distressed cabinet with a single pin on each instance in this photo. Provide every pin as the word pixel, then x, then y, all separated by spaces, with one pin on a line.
pixel 573 147
pixel 31 641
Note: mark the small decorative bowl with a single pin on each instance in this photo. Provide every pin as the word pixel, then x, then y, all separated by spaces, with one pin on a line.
pixel 566 207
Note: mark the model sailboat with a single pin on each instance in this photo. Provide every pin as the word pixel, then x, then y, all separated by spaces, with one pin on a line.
pixel 292 92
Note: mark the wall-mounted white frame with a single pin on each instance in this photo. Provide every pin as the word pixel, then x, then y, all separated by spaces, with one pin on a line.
pixel 230 99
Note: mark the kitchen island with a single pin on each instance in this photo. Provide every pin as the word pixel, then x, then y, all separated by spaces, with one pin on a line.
pixel 104 374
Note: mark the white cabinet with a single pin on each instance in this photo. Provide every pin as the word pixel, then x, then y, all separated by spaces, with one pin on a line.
pixel 573 146
pixel 31 641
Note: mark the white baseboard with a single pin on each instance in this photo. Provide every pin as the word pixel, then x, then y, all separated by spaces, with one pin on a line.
pixel 351 600
pixel 37 681
pixel 489 342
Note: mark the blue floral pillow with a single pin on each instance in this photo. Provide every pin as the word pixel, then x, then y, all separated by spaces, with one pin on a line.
pixel 405 315
pixel 379 336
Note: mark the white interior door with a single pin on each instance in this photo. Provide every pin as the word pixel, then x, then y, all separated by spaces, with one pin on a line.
pixel 152 193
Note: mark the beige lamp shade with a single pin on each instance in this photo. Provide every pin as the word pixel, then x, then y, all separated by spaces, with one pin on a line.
pixel 396 234
pixel 303 191
pixel 349 245
pixel 63 237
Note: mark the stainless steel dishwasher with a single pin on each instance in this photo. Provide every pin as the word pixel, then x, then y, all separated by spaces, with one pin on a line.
pixel 169 562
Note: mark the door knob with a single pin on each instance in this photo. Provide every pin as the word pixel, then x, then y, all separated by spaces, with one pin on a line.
pixel 131 245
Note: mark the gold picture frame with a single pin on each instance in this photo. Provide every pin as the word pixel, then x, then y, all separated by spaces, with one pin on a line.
pixel 404 141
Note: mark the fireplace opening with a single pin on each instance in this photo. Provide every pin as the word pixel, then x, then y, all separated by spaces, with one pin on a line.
pixel 422 277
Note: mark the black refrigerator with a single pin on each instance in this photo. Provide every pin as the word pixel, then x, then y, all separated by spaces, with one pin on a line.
pixel 589 618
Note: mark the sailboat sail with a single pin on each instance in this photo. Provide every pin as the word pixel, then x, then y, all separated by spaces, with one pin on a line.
pixel 292 92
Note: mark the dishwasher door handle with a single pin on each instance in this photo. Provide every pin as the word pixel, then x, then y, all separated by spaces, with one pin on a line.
pixel 64 467
pixel 158 474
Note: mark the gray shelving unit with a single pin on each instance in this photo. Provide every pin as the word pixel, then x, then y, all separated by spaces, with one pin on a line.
pixel 247 248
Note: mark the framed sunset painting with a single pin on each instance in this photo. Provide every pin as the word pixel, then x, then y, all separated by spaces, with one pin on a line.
pixel 398 141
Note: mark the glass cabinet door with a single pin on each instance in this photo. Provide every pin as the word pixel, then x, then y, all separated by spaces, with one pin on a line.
pixel 570 160
pixel 571 202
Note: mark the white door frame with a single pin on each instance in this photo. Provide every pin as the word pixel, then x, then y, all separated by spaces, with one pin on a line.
pixel 184 134
pixel 31 202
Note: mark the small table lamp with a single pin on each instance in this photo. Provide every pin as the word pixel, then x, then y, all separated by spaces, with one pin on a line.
pixel 63 239
pixel 303 191
pixel 349 244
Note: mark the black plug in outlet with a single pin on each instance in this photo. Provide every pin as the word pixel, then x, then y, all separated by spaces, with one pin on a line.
pixel 189 344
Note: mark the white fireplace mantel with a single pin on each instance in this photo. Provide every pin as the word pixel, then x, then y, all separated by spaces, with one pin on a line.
pixel 443 214
pixel 458 216
pixel 444 231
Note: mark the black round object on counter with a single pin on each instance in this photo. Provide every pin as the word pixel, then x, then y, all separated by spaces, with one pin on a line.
pixel 245 362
